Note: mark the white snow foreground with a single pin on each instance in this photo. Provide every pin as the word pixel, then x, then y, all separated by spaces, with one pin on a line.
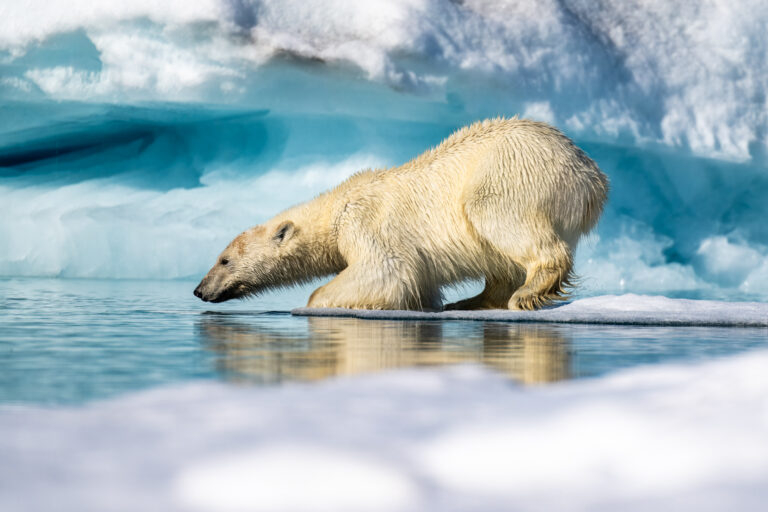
pixel 629 309
pixel 668 437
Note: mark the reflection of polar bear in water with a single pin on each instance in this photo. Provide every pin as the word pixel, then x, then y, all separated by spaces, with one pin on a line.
pixel 506 200
pixel 530 353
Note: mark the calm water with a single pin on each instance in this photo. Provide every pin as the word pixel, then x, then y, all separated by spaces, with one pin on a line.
pixel 69 341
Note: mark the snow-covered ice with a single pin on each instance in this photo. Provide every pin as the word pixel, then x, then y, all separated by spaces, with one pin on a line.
pixel 667 437
pixel 675 74
pixel 629 309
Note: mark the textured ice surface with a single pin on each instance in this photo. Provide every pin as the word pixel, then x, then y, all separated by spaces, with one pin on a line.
pixel 690 75
pixel 136 139
pixel 624 309
pixel 669 437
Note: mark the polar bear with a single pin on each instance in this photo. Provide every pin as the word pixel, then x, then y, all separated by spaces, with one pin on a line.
pixel 504 200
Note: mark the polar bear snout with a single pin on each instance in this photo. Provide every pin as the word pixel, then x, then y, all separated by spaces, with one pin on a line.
pixel 215 290
pixel 204 291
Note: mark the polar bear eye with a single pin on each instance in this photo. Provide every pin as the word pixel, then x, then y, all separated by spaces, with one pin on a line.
pixel 224 261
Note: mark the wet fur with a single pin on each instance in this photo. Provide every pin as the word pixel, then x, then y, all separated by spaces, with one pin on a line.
pixel 506 200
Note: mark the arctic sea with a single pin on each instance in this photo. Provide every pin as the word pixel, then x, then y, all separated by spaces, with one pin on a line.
pixel 71 341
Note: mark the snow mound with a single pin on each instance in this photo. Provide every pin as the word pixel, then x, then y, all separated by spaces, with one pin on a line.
pixel 668 437
pixel 675 74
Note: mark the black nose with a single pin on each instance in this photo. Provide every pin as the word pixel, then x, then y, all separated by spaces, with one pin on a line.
pixel 198 293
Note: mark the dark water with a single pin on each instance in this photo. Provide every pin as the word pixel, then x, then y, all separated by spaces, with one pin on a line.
pixel 69 341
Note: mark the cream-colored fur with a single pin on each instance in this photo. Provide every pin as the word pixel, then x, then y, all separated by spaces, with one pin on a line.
pixel 531 353
pixel 505 200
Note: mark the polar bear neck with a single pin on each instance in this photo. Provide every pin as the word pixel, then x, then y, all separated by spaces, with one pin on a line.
pixel 316 252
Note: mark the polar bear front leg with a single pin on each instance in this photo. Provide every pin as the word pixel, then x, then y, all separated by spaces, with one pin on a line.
pixel 354 288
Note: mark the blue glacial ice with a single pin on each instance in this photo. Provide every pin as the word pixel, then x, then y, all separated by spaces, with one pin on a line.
pixel 137 139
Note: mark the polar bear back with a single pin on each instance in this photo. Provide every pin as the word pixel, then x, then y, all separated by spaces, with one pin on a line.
pixel 496 179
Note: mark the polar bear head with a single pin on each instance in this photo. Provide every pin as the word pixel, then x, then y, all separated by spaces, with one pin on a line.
pixel 258 259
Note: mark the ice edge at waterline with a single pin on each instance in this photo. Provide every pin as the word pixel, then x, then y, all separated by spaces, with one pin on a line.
pixel 628 309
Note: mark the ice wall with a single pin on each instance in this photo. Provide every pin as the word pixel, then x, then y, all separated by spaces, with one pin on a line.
pixel 136 139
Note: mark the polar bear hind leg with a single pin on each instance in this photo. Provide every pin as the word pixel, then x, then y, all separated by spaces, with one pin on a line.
pixel 495 295
pixel 534 276
pixel 548 276
pixel 536 262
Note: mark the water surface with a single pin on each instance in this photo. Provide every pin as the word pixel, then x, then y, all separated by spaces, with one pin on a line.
pixel 70 341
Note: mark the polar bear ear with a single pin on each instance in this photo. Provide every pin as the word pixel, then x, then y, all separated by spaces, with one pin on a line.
pixel 283 232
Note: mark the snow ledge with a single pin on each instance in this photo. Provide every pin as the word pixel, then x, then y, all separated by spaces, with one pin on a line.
pixel 629 309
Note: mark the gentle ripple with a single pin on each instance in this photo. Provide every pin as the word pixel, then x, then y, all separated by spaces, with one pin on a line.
pixel 70 341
